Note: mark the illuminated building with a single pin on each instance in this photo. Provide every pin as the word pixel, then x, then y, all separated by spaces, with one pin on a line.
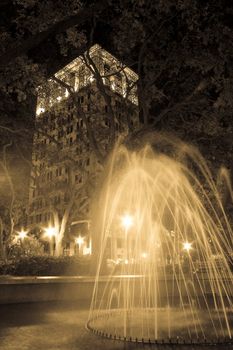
pixel 63 157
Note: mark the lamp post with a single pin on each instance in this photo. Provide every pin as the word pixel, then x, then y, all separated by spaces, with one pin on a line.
pixel 22 235
pixel 187 246
pixel 79 240
pixel 51 233
pixel 126 223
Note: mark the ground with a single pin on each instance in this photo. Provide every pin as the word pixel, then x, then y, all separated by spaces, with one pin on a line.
pixel 56 325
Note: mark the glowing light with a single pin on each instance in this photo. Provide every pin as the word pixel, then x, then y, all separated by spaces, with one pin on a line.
pixel 40 110
pixel 187 246
pixel 79 240
pixel 59 98
pixel 144 255
pixel 127 221
pixel 66 93
pixel 22 234
pixel 50 232
pixel 87 251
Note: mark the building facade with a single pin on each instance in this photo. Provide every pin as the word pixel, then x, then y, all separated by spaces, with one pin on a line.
pixel 80 112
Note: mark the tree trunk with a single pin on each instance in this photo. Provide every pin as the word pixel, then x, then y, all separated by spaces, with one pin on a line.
pixel 2 245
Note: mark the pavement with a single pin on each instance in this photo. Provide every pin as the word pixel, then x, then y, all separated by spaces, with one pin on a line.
pixel 39 326
pixel 58 326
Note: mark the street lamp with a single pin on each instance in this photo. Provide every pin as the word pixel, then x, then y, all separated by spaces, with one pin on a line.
pixel 126 221
pixel 187 246
pixel 79 240
pixel 51 233
pixel 22 234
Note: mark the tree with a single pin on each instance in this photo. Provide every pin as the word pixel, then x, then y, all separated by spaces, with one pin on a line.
pixel 181 50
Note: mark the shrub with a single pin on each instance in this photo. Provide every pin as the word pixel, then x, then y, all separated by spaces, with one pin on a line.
pixel 29 247
pixel 46 266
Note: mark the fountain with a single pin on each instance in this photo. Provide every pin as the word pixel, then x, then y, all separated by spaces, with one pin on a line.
pixel 165 241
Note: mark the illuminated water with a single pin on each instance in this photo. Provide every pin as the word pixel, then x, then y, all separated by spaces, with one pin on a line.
pixel 165 233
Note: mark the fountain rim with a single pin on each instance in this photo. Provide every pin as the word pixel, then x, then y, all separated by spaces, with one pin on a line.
pixel 160 341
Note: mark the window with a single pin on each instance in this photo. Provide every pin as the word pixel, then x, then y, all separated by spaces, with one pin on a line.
pixel 52 126
pixel 60 133
pixel 79 124
pixel 78 179
pixel 79 150
pixel 69 118
pixel 106 108
pixel 88 161
pixel 69 129
pixel 80 99
pixel 71 141
pixel 106 67
pixel 49 175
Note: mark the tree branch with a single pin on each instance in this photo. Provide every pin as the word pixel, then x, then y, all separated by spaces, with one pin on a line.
pixel 22 47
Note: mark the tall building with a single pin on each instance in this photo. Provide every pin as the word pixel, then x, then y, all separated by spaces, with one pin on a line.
pixel 79 111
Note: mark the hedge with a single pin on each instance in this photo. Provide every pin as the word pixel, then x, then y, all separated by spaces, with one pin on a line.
pixel 46 266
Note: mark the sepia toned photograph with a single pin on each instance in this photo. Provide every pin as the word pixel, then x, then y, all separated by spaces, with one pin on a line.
pixel 116 174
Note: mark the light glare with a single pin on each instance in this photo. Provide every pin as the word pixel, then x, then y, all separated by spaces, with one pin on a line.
pixel 50 232
pixel 79 240
pixel 187 246
pixel 22 234
pixel 127 221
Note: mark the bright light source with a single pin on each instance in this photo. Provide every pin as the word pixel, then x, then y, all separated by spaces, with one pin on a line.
pixel 144 255
pixel 22 234
pixel 66 93
pixel 50 232
pixel 127 221
pixel 59 98
pixel 79 240
pixel 187 246
pixel 87 251
pixel 40 110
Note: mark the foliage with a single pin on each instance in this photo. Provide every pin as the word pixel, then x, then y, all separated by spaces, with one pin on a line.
pixel 45 266
pixel 27 248
pixel 182 51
